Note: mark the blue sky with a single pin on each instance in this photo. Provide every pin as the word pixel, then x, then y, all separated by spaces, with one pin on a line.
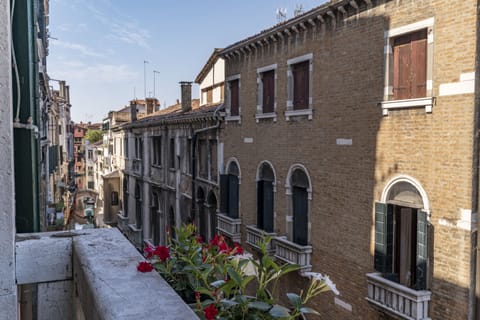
pixel 99 46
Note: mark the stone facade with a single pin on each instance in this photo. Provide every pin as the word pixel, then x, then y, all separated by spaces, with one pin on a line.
pixel 355 143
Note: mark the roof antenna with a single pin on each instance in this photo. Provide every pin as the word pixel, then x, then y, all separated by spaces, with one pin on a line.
pixel 298 10
pixel 281 15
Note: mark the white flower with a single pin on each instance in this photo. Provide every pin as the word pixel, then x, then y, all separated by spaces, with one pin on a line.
pixel 331 285
pixel 248 269
pixel 313 275
pixel 325 279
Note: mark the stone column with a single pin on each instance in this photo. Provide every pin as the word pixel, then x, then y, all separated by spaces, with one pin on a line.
pixel 8 288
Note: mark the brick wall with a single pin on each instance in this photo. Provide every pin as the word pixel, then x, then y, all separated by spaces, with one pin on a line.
pixel 348 85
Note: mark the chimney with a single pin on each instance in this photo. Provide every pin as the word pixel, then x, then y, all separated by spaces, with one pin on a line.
pixel 186 95
pixel 133 110
pixel 67 94
pixel 150 104
pixel 62 89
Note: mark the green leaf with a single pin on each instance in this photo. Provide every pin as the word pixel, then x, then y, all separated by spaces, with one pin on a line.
pixel 205 291
pixel 263 306
pixel 246 280
pixel 295 299
pixel 279 312
pixel 217 283
pixel 235 276
pixel 309 310
pixel 228 303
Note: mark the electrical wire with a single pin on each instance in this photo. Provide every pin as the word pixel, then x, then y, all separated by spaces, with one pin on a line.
pixel 15 67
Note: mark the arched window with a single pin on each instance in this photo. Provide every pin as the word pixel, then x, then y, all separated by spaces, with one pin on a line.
pixel 212 214
pixel 265 198
pixel 138 206
pixel 229 190
pixel 299 187
pixel 401 233
pixel 155 220
pixel 202 214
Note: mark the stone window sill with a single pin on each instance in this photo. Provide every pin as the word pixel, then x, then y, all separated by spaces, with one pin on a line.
pixel 270 115
pixel 426 103
pixel 302 112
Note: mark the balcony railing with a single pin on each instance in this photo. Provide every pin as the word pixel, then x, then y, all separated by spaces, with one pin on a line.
pixel 92 274
pixel 229 227
pixel 256 236
pixel 396 299
pixel 291 252
pixel 122 221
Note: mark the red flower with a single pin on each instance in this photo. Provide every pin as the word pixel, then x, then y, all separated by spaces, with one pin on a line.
pixel 148 252
pixel 199 239
pixel 144 266
pixel 210 312
pixel 197 295
pixel 167 229
pixel 224 248
pixel 238 249
pixel 162 252
pixel 215 240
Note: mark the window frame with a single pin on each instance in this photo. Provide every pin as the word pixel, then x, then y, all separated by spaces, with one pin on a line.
pixel 228 98
pixel 157 151
pixel 427 102
pixel 291 111
pixel 261 114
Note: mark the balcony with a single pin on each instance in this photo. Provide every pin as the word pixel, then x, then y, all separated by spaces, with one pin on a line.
pixel 91 274
pixel 137 166
pixel 396 299
pixel 293 253
pixel 229 227
pixel 256 236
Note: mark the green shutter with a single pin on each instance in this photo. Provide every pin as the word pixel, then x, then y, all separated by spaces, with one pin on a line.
pixel 233 196
pixel 260 206
pixel 422 250
pixel 383 237
pixel 268 206
pixel 223 193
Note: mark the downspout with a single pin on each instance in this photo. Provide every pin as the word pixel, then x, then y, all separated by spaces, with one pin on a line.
pixel 194 158
pixel 474 290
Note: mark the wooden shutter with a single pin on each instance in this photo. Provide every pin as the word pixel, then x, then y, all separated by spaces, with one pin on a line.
pixel 224 193
pixel 234 98
pixel 410 65
pixel 268 206
pixel 260 204
pixel 422 251
pixel 268 80
pixel 419 64
pixel 383 237
pixel 300 216
pixel 210 95
pixel 233 196
pixel 301 85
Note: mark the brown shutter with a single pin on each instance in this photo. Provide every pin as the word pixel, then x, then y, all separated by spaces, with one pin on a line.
pixel 268 80
pixel 410 66
pixel 300 85
pixel 234 97
pixel 210 95
pixel 419 64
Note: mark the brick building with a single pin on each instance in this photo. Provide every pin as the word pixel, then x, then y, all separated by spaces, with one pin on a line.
pixel 349 137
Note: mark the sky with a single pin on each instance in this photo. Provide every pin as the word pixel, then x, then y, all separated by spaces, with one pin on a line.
pixel 99 46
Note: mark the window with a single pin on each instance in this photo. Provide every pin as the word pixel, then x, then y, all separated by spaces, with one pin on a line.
pixel 266 105
pixel 300 185
pixel 138 206
pixel 233 98
pixel 401 237
pixel 299 86
pixel 171 154
pixel 90 154
pixel 229 192
pixel 409 67
pixel 114 198
pixel 155 220
pixel 125 147
pixel 188 158
pixel 202 158
pixel 90 185
pixel 125 197
pixel 265 198
pixel 138 148
pixel 157 150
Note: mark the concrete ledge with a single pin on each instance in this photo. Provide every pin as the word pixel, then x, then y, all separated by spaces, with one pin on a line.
pixel 43 257
pixel 109 286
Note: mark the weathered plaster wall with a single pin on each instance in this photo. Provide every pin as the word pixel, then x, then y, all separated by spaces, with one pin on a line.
pixel 8 289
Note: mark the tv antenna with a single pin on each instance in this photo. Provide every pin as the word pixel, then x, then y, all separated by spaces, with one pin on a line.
pixel 281 15
pixel 298 10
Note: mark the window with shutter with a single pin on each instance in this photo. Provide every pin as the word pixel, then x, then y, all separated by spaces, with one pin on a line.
pixel 224 193
pixel 383 238
pixel 410 65
pixel 268 206
pixel 268 92
pixel 233 196
pixel 300 215
pixel 301 85
pixel 234 97
pixel 422 251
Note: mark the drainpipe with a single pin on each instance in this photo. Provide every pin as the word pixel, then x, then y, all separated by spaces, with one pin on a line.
pixel 474 290
pixel 194 158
